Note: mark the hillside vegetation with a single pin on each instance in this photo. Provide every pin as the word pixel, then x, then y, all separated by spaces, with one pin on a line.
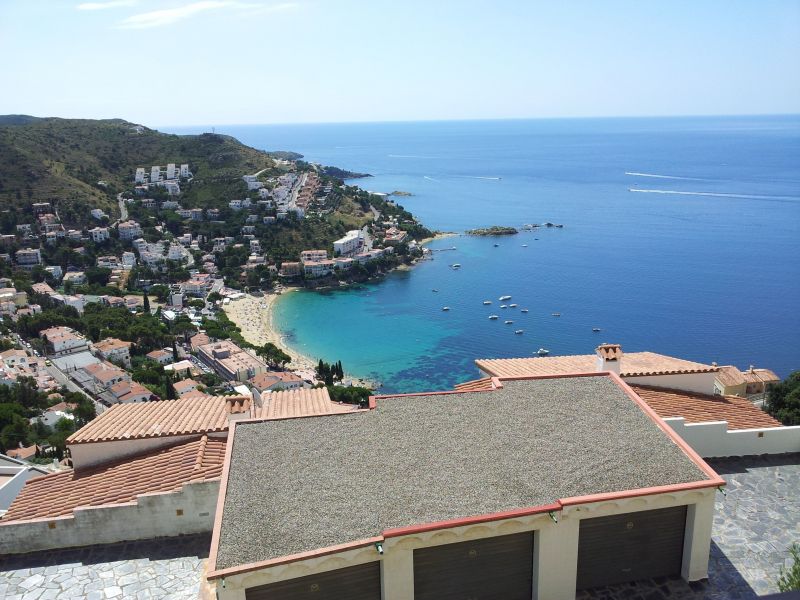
pixel 62 160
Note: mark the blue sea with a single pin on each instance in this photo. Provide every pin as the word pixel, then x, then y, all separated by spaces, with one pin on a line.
pixel 681 236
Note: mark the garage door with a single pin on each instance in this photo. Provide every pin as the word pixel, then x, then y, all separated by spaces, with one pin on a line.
pixel 630 546
pixel 495 568
pixel 353 583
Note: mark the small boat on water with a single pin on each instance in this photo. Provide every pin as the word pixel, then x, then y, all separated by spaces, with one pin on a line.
pixel 445 308
pixel 434 290
pixel 556 314
pixel 455 266
pixel 523 310
pixel 486 302
pixel 596 329
pixel 509 322
pixel 501 298
pixel 519 331
pixel 543 352
pixel 524 245
pixel 493 317
pixel 503 306
pixel 512 306
pixel 496 245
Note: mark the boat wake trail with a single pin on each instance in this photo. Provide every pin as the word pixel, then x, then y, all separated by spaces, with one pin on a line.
pixel 636 174
pixel 410 156
pixel 430 179
pixel 479 177
pixel 716 194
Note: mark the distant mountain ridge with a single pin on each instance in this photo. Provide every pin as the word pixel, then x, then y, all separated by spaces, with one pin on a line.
pixel 62 160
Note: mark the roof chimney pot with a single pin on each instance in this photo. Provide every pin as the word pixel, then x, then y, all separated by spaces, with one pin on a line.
pixel 609 357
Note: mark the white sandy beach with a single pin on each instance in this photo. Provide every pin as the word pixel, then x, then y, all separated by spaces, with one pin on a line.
pixel 253 315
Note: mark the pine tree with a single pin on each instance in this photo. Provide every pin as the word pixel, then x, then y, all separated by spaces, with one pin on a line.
pixel 146 304
pixel 174 351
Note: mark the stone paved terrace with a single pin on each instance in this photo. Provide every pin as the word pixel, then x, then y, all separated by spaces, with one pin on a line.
pixel 753 527
pixel 162 568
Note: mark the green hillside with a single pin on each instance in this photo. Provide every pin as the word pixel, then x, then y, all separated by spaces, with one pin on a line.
pixel 62 160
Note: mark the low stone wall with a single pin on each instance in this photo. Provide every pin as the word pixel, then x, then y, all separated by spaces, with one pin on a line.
pixel 187 511
pixel 714 439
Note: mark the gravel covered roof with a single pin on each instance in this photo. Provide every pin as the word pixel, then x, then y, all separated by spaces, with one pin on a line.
pixel 298 485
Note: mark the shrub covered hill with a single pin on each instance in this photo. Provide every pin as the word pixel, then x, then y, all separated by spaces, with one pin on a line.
pixel 79 164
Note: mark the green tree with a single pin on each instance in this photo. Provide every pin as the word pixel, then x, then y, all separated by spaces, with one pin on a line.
pixel 789 579
pixel 783 400
pixel 146 304
pixel 175 351
pixel 15 433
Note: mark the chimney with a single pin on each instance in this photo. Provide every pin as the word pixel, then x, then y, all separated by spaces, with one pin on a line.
pixel 609 357
pixel 238 407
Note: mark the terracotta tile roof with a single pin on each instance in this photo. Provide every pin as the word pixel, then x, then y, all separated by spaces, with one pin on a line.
pixel 200 339
pixel 270 378
pixel 476 385
pixel 22 453
pixel 110 344
pixel 184 385
pixel 301 402
pixel 156 354
pixel 631 364
pixel 198 414
pixel 730 376
pixel 740 413
pixel 752 375
pixel 160 470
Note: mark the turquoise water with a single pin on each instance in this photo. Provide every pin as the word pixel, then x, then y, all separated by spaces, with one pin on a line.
pixel 703 266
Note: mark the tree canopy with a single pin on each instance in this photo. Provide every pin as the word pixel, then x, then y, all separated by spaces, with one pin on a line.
pixel 783 400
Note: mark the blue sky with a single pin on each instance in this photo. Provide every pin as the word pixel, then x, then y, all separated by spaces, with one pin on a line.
pixel 214 62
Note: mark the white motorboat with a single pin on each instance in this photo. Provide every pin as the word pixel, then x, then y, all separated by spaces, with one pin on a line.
pixel 445 308
pixel 501 298
pixel 486 302
pixel 503 306
pixel 509 322
pixel 519 331
pixel 523 310
pixel 493 317
pixel 512 306
pixel 543 352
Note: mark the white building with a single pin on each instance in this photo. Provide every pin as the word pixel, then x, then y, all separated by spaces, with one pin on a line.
pixel 28 258
pixel 172 187
pixel 351 243
pixel 185 173
pixel 318 268
pixel 175 252
pixel 128 260
pixel 155 174
pixel 129 230
pixel 171 171
pixel 63 340
pixel 99 234
pixel 98 214
pixel 139 175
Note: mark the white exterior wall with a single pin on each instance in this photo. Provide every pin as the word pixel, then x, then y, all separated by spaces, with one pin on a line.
pixel 88 454
pixel 555 560
pixel 150 516
pixel 20 474
pixel 714 439
pixel 702 383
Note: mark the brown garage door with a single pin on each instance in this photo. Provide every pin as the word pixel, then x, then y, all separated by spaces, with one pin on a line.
pixel 353 583
pixel 498 568
pixel 630 546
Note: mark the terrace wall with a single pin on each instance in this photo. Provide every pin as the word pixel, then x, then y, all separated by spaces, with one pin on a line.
pixel 714 439
pixel 189 510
